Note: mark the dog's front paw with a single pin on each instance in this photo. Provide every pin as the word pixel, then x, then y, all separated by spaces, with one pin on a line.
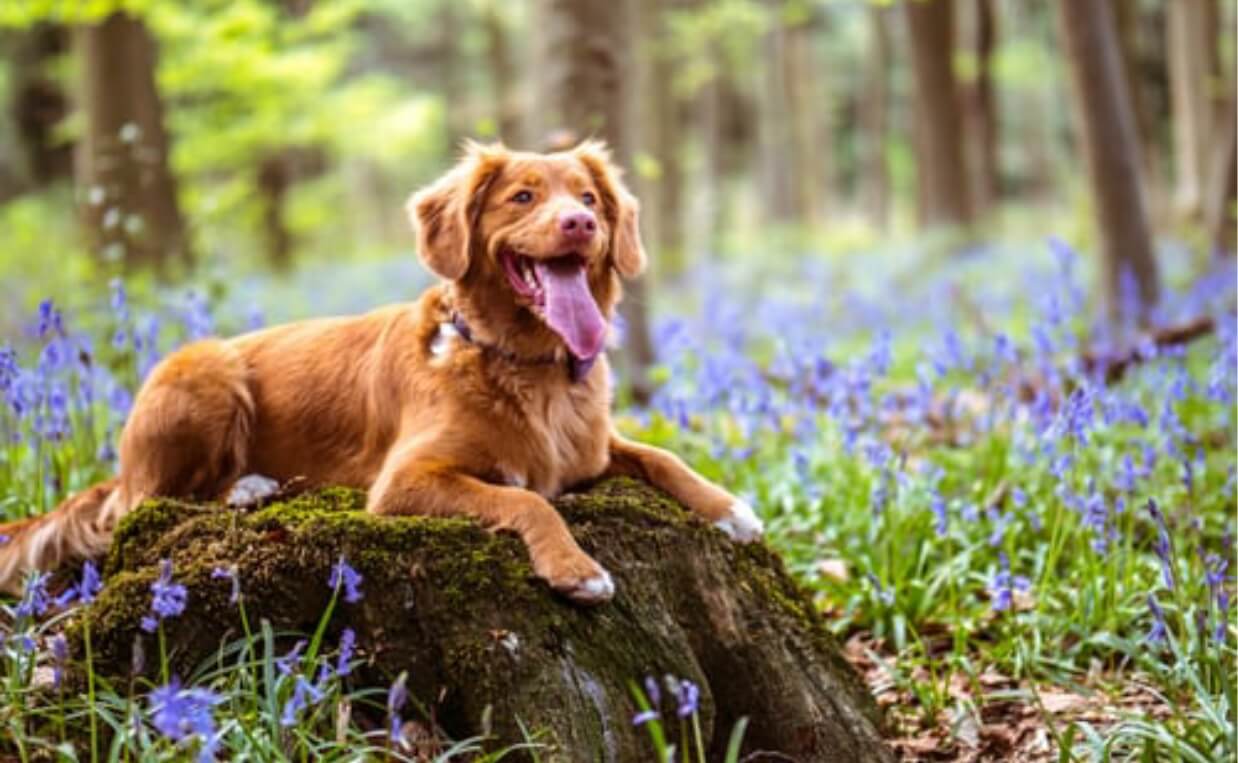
pixel 577 577
pixel 742 524
pixel 596 589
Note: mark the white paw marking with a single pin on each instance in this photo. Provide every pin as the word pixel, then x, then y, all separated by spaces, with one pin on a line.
pixel 250 489
pixel 743 525
pixel 596 589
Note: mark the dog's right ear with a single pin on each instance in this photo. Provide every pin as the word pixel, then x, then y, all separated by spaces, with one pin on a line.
pixel 445 214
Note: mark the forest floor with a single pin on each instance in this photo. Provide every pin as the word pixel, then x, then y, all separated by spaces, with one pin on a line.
pixel 1019 524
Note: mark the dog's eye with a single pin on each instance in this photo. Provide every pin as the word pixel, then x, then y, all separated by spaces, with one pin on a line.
pixel 523 197
pixel 588 198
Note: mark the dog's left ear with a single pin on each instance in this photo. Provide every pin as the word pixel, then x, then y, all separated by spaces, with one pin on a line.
pixel 445 214
pixel 620 207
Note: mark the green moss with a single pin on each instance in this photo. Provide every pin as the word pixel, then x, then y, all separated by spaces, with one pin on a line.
pixel 443 596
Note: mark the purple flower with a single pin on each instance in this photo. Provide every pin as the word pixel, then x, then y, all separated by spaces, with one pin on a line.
pixel 90 584
pixel 182 714
pixel 937 505
pixel 49 318
pixel 83 591
pixel 348 641
pixel 1127 476
pixel 1159 630
pixel 167 600
pixel 1162 545
pixel 288 663
pixel 644 716
pixel 654 694
pixel 343 574
pixel 304 694
pixel 1004 586
pixel 35 599
pixel 688 697
pixel 60 655
pixel 397 695
pixel 229 573
pixel 885 595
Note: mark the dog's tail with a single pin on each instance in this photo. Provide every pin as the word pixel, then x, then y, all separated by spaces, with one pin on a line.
pixel 78 528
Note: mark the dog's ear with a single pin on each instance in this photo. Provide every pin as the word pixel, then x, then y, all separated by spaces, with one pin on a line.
pixel 445 214
pixel 620 207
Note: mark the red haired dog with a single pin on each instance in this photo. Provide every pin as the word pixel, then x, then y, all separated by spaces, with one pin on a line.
pixel 484 398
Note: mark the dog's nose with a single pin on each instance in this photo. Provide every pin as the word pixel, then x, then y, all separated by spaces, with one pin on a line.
pixel 578 226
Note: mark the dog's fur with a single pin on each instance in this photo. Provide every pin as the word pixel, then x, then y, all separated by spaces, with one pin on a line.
pixel 398 401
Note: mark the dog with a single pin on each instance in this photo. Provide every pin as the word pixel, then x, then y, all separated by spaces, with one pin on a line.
pixel 485 398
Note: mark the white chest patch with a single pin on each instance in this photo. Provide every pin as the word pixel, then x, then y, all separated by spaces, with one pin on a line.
pixel 444 340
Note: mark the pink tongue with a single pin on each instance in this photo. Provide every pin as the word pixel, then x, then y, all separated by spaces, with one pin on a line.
pixel 570 309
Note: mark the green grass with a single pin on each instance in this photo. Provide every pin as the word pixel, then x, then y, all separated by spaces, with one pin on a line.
pixel 1010 539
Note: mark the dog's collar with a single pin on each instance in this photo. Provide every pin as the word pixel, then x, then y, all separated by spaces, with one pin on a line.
pixel 577 369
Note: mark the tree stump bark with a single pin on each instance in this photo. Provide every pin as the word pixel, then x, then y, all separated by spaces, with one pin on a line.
pixel 480 637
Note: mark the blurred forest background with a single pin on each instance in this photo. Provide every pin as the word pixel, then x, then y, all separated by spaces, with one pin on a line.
pixel 214 138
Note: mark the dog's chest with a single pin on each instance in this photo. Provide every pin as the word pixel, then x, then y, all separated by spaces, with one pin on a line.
pixel 566 442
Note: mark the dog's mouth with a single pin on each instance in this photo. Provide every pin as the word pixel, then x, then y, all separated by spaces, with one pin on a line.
pixel 557 291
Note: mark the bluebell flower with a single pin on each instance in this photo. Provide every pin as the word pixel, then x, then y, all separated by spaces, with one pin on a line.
pixel 348 641
pixel 167 600
pixel 1162 545
pixel 1127 477
pixel 119 300
pixel 1004 585
pixel 1000 522
pixel 1159 629
pixel 645 716
pixel 304 694
pixel 83 591
pixel 937 505
pixel 183 714
pixel 342 574
pixel 60 656
pixel 884 595
pixel 688 698
pixel 290 662
pixel 49 319
pixel 35 599
pixel 229 573
pixel 654 694
pixel 397 695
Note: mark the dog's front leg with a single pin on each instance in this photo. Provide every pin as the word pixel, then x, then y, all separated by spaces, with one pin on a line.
pixel 666 470
pixel 434 488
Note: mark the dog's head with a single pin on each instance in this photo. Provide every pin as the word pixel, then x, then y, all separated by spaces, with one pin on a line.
pixel 536 233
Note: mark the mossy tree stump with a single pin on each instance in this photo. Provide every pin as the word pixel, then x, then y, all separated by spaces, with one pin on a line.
pixel 459 609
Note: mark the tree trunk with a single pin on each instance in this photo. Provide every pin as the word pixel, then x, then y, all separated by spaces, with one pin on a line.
pixel 129 195
pixel 1105 123
pixel 480 638
pixel 728 138
pixel 447 68
pixel 503 79
pixel 810 108
pixel 981 111
pixel 662 213
pixel 789 151
pixel 274 178
pixel 941 169
pixel 1131 23
pixel 1192 34
pixel 585 90
pixel 39 104
pixel 874 118
pixel 1221 190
